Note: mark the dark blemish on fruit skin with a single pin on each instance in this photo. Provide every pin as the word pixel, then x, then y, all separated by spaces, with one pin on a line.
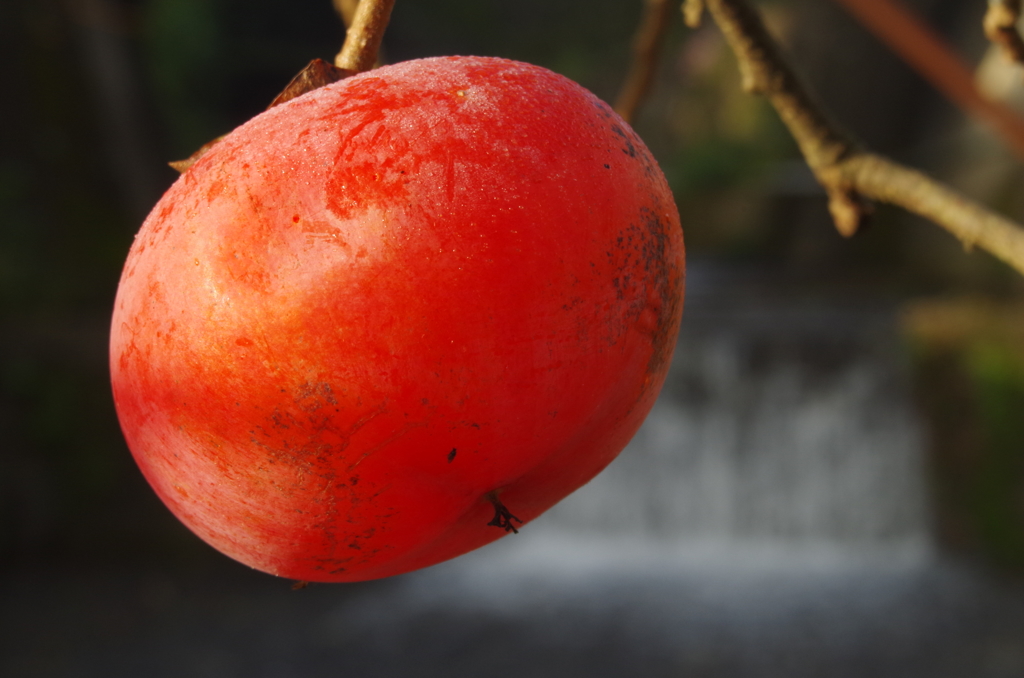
pixel 603 108
pixel 630 149
pixel 337 564
pixel 502 516
pixel 653 255
pixel 451 455
pixel 311 397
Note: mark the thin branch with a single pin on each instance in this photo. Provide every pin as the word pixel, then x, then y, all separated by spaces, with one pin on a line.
pixel 764 71
pixel 881 179
pixel 1001 27
pixel 933 59
pixel 362 41
pixel 849 174
pixel 646 48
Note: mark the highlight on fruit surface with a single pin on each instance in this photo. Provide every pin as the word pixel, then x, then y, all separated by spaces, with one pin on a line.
pixel 395 318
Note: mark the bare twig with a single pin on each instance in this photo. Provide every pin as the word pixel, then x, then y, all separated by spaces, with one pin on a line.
pixel 1001 27
pixel 933 59
pixel 764 71
pixel 849 174
pixel 646 47
pixel 362 41
pixel 879 178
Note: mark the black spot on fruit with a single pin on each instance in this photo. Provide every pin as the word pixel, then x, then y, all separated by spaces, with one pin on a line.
pixel 630 149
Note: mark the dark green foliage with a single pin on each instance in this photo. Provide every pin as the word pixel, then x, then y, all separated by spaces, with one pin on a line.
pixel 973 400
pixel 997 489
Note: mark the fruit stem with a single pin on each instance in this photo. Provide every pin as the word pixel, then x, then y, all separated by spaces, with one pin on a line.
pixel 347 10
pixel 363 38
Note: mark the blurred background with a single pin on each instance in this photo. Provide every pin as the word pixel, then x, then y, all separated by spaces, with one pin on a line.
pixel 831 485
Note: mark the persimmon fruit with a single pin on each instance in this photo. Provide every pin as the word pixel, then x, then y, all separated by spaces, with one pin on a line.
pixel 390 320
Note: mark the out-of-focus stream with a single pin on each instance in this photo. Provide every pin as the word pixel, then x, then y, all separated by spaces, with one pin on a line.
pixel 789 427
pixel 770 519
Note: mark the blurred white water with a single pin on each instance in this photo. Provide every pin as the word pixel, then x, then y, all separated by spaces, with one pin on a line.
pixel 785 437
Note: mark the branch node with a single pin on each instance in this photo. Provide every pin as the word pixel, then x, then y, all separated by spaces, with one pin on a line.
pixel 693 11
pixel 850 175
pixel 749 81
pixel 1000 25
pixel 849 211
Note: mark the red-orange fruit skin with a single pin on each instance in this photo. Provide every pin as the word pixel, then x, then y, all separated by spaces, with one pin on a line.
pixel 368 309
